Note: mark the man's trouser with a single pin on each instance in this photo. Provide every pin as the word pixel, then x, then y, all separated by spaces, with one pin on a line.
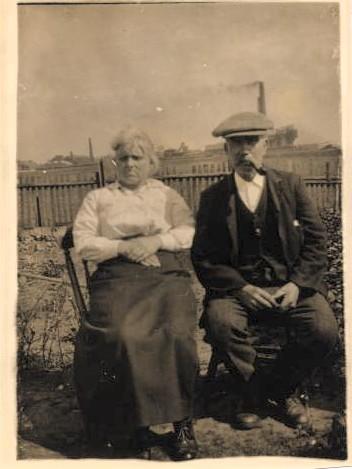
pixel 312 326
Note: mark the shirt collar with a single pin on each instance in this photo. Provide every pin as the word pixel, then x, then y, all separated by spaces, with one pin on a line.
pixel 116 185
pixel 258 180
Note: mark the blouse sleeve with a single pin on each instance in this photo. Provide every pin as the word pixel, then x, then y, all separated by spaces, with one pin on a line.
pixel 88 243
pixel 179 216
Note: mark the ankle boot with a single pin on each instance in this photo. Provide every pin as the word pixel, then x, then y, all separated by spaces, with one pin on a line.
pixel 184 445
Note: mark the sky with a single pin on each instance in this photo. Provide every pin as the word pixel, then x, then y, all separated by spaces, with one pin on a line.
pixel 174 70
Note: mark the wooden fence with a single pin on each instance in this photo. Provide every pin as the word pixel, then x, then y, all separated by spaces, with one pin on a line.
pixel 50 204
pixel 57 204
pixel 325 193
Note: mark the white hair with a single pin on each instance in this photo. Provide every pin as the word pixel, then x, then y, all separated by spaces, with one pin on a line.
pixel 130 139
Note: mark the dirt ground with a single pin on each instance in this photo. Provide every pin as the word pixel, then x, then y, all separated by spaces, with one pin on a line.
pixel 50 424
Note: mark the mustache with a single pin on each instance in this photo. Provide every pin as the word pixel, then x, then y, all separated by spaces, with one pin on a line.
pixel 247 158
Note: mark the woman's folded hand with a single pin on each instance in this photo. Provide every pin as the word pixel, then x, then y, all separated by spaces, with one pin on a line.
pixel 151 261
pixel 141 248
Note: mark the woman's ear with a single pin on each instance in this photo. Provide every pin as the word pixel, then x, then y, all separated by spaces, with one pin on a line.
pixel 153 168
pixel 154 165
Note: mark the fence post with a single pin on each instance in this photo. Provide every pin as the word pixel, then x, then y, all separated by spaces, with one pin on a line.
pixel 39 217
pixel 327 171
pixel 97 179
pixel 102 175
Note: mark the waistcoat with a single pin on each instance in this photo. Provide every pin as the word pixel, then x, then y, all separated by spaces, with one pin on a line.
pixel 261 259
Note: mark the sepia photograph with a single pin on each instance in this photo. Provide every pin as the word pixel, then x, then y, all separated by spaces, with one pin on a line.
pixel 180 271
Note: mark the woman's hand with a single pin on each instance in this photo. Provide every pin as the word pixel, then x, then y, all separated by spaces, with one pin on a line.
pixel 151 261
pixel 140 249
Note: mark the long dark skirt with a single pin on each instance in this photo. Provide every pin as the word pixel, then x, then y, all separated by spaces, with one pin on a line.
pixel 135 357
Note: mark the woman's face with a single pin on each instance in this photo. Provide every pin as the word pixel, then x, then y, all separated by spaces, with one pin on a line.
pixel 133 167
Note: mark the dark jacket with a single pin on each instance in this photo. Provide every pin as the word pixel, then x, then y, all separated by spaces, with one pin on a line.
pixel 215 246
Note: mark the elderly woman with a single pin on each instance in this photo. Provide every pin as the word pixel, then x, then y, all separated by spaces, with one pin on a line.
pixel 139 332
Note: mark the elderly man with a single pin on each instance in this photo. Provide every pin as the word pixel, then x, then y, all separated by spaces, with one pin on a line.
pixel 259 251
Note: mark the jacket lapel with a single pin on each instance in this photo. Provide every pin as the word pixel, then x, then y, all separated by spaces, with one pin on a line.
pixel 275 187
pixel 231 216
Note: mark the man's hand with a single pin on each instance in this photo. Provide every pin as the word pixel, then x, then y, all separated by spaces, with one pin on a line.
pixel 288 295
pixel 141 248
pixel 256 298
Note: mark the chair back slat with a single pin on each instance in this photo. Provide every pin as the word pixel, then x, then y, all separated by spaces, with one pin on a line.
pixel 67 244
pixel 77 292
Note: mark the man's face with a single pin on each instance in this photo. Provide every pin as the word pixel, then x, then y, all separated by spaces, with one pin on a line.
pixel 133 167
pixel 246 154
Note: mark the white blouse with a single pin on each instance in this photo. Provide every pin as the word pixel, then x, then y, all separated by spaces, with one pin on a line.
pixel 113 213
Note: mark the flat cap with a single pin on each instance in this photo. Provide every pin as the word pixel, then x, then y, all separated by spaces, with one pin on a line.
pixel 244 123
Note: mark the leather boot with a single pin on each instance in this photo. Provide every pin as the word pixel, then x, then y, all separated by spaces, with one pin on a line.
pixel 295 412
pixel 248 408
pixel 183 444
